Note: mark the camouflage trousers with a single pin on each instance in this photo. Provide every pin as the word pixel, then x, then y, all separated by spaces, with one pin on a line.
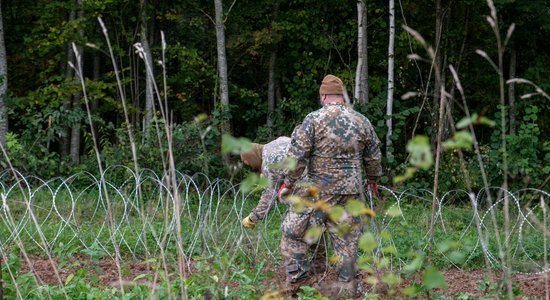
pixel 344 235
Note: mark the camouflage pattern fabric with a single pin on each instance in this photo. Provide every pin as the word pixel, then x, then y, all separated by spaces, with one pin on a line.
pixel 334 143
pixel 272 153
pixel 344 234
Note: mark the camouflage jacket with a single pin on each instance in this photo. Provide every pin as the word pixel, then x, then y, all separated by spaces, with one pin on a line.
pixel 335 143
pixel 273 152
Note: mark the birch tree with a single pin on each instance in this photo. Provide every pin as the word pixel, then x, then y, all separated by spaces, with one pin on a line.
pixel 271 82
pixel 389 104
pixel 3 84
pixel 361 92
pixel 222 59
pixel 148 59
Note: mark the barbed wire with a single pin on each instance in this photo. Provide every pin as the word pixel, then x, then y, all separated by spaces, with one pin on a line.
pixel 59 213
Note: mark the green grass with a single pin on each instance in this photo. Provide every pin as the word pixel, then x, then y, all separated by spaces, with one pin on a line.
pixel 227 260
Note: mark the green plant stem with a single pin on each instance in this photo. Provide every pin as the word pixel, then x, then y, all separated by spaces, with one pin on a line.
pixel 500 47
pixel 436 175
pixel 1 281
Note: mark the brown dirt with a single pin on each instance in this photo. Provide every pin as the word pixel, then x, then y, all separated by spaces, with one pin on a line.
pixel 106 273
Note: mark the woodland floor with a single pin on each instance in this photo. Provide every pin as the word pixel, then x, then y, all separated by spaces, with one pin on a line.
pixel 106 272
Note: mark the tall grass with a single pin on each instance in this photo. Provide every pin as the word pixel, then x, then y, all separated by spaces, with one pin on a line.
pixel 72 217
pixel 501 231
pixel 177 219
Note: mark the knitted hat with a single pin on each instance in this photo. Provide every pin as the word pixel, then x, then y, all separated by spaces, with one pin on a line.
pixel 253 157
pixel 331 85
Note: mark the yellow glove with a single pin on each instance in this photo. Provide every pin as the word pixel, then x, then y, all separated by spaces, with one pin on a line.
pixel 247 223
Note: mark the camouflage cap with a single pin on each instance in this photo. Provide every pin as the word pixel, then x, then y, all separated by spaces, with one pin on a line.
pixel 331 85
pixel 253 157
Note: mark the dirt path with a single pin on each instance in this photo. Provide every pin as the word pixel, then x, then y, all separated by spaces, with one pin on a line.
pixel 107 274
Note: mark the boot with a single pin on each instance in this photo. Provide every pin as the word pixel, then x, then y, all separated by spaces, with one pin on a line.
pixel 296 273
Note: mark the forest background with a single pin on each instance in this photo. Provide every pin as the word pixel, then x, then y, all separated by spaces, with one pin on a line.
pixel 266 79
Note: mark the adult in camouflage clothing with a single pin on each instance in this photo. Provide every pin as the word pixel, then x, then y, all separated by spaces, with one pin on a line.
pixel 261 159
pixel 337 145
pixel 264 158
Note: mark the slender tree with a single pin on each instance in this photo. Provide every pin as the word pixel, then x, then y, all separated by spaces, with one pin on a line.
pixel 3 84
pixel 149 100
pixel 361 93
pixel 75 128
pixel 271 83
pixel 512 91
pixel 222 59
pixel 437 64
pixel 389 104
pixel 3 109
pixel 64 139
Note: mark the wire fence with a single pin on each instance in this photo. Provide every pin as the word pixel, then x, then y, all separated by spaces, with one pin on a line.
pixel 134 217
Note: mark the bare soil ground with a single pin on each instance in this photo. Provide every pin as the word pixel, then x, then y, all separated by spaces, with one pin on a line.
pixel 107 274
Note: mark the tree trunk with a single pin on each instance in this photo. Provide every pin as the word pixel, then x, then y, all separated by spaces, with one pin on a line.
pixel 96 76
pixel 3 87
pixel 64 139
pixel 75 129
pixel 149 100
pixel 3 110
pixel 271 92
pixel 437 120
pixel 361 93
pixel 94 103
pixel 222 61
pixel 512 91
pixel 271 83
pixel 389 105
pixel 437 69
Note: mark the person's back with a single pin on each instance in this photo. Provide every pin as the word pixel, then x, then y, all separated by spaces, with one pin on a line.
pixel 273 153
pixel 264 159
pixel 335 143
pixel 339 139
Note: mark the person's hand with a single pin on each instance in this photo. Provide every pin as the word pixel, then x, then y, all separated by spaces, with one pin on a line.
pixel 283 192
pixel 247 223
pixel 372 185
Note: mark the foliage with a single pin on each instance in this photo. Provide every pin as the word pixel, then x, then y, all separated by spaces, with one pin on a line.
pixel 309 40
pixel 527 153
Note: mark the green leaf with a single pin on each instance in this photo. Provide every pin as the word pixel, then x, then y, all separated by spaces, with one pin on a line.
pixel 420 152
pixel 69 278
pixel 389 250
pixel 355 207
pixel 385 235
pixel 446 246
pixel 391 279
pixel 336 213
pixel 486 121
pixel 287 163
pixel 409 173
pixel 433 279
pixel 461 140
pixel 384 262
pixel 457 257
pixel 253 181
pixel 411 290
pixel 414 266
pixel 394 211
pixel 201 118
pixel 465 122
pixel 313 234
pixel 367 242
pixel 235 145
